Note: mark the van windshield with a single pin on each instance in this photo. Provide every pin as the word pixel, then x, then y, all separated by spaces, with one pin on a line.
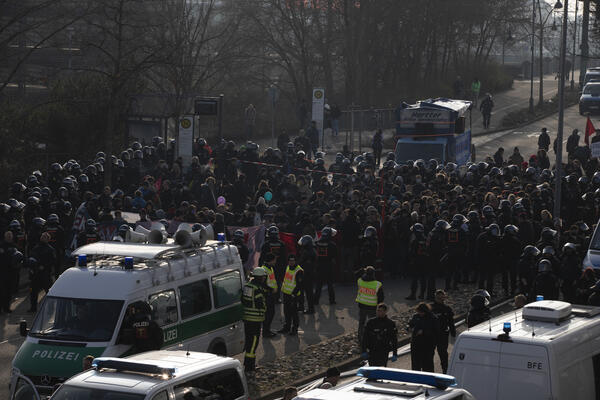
pixel 85 320
pixel 68 392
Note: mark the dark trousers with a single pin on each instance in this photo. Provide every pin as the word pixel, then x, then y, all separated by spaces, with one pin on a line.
pixel 442 350
pixel 486 119
pixel 325 276
pixel 252 337
pixel 37 285
pixel 486 279
pixel 270 313
pixel 6 291
pixel 290 312
pixel 452 272
pixel 509 275
pixel 364 313
pixel 309 283
pixel 421 357
pixel 378 358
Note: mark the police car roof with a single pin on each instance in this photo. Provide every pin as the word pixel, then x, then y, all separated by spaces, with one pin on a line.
pixel 583 320
pixel 185 364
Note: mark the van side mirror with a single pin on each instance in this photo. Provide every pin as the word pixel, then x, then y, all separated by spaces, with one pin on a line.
pixel 23 328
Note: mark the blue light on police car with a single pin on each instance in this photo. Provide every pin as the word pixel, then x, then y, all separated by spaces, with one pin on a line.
pixel 82 260
pixel 128 262
pixel 507 327
pixel 221 237
pixel 539 297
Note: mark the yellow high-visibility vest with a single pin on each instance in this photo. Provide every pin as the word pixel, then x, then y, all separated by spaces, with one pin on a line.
pixel 289 280
pixel 271 281
pixel 367 292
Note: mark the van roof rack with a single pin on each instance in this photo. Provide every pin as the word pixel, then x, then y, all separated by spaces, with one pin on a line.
pixel 440 381
pixel 122 365
pixel 585 311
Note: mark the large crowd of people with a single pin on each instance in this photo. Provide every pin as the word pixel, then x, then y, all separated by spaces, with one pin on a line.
pixel 419 219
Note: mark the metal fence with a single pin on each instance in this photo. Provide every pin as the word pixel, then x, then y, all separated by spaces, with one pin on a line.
pixel 359 123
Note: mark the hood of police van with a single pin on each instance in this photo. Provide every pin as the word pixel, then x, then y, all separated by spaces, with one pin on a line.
pixel 37 358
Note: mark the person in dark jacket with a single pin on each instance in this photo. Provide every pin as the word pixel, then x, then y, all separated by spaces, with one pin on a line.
pixel 41 263
pixel 424 333
pixel 570 270
pixel 486 110
pixel 445 319
pixel 544 140
pixel 377 146
pixel 379 338
pixel 546 283
pixel 307 259
pixel 511 246
pixel 480 310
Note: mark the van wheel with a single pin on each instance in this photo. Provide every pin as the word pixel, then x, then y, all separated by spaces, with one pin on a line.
pixel 219 349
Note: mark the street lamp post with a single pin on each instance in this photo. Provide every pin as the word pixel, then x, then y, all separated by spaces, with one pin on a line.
pixel 532 56
pixel 558 5
pixel 574 47
pixel 561 114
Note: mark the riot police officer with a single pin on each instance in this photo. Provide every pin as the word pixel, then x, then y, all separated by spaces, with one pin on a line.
pixel 488 254
pixel 238 241
pixel 480 310
pixel 546 283
pixel 326 260
pixel 369 246
pixel 511 250
pixel 90 235
pixel 277 248
pixel 147 334
pixel 418 261
pixel 57 241
pixel 456 249
pixel 307 259
pixel 7 261
pixel 446 327
pixel 254 303
pixel 570 271
pixel 527 270
pixel 436 248
pixel 379 338
pixel 41 264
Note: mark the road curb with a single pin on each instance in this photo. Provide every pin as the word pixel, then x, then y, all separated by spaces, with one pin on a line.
pixel 357 361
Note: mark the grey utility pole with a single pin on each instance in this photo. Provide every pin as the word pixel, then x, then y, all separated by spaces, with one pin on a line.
pixel 561 113
pixel 585 24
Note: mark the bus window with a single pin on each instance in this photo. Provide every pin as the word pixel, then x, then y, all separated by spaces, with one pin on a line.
pixel 227 288
pixel 194 298
pixel 164 307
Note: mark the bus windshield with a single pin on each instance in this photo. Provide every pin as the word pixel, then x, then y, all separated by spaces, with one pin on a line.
pixel 86 320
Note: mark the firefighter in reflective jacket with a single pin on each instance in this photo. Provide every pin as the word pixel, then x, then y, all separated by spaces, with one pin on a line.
pixel 293 284
pixel 370 293
pixel 271 293
pixel 253 301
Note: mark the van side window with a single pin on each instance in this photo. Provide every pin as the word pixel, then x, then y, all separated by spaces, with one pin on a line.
pixel 161 396
pixel 195 298
pixel 221 385
pixel 596 362
pixel 227 288
pixel 164 307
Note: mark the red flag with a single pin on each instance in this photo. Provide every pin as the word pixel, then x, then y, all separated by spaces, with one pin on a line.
pixel 589 130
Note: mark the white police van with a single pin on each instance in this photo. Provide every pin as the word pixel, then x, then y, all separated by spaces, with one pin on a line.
pixel 193 293
pixel 547 350
pixel 154 375
pixel 379 383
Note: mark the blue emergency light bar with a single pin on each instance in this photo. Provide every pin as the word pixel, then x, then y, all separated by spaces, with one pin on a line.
pixel 82 260
pixel 507 327
pixel 440 381
pixel 123 365
pixel 539 297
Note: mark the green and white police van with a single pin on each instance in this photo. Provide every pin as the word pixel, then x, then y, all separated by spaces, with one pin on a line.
pixel 193 293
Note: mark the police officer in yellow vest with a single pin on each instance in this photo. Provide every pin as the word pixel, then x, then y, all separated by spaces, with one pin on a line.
pixel 271 294
pixel 292 289
pixel 370 293
pixel 253 301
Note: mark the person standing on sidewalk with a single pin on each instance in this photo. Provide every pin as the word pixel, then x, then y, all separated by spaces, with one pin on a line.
pixel 270 295
pixel 475 87
pixel 250 120
pixel 335 119
pixel 370 293
pixel 544 140
pixel 445 319
pixel 486 110
pixel 379 338
pixel 254 304
pixel 378 146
